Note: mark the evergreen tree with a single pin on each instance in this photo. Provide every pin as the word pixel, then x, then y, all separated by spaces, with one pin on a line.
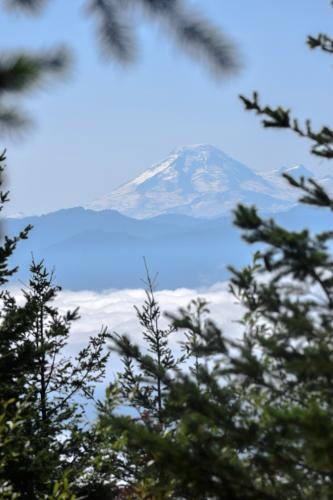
pixel 41 387
pixel 14 445
pixel 21 72
pixel 140 389
pixel 13 320
pixel 255 420
pixel 52 384
pixel 142 385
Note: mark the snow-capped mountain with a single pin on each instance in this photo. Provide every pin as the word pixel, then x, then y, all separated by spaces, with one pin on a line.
pixel 186 242
pixel 201 181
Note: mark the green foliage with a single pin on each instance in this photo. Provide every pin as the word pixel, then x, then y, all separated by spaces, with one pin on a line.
pixel 14 444
pixel 44 445
pixel 141 381
pixel 140 389
pixel 230 418
pixel 50 382
pixel 20 73
pixel 10 443
pixel 117 29
pixel 58 379
pixel 62 490
pixel 324 42
pixel 253 418
pixel 280 118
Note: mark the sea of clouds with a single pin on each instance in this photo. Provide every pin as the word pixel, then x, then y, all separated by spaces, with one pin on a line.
pixel 115 310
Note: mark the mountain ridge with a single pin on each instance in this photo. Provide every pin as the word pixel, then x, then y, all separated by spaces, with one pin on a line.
pixel 103 250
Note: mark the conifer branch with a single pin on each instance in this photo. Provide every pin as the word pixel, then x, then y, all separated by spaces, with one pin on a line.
pixel 20 73
pixel 322 41
pixel 281 118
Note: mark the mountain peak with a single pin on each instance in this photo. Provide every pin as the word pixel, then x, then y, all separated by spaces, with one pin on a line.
pixel 196 148
pixel 199 180
pixel 200 151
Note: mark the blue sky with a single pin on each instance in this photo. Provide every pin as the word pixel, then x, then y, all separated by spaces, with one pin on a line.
pixel 104 124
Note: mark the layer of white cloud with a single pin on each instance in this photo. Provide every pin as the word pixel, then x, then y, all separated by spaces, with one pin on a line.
pixel 114 309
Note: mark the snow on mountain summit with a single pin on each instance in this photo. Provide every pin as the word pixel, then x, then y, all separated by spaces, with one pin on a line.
pixel 199 180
